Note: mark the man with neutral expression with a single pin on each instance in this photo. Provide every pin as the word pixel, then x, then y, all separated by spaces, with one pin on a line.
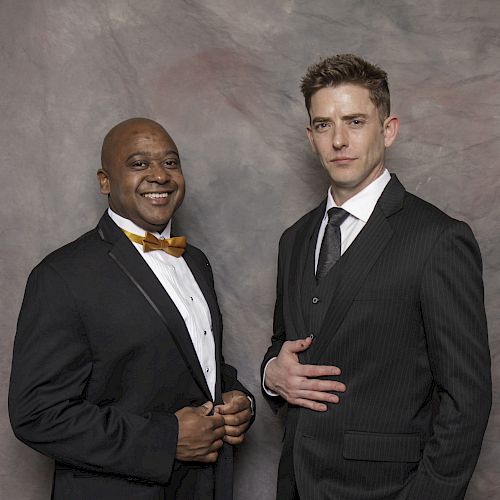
pixel 379 306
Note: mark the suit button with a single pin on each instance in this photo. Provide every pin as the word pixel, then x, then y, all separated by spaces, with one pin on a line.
pixel 315 300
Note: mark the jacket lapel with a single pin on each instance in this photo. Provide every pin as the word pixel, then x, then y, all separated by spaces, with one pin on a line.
pixel 358 260
pixel 134 266
pixel 298 263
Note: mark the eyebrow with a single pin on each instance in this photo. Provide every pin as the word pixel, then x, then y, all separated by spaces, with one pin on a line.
pixel 319 119
pixel 144 153
pixel 355 115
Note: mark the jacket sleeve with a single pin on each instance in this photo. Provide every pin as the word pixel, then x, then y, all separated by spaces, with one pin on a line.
pixel 279 333
pixel 48 409
pixel 455 327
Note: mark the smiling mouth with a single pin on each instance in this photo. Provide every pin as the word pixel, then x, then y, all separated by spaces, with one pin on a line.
pixel 155 195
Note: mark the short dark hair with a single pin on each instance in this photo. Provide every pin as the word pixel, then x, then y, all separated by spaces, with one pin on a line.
pixel 348 68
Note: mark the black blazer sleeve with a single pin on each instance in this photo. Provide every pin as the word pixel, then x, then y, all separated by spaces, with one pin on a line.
pixel 455 328
pixel 279 333
pixel 48 409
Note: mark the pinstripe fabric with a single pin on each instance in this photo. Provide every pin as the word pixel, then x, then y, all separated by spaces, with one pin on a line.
pixel 406 320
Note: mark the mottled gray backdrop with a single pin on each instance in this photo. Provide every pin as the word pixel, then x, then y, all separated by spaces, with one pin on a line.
pixel 223 77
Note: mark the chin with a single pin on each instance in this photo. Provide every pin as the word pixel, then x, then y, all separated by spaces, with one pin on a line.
pixel 159 225
pixel 344 182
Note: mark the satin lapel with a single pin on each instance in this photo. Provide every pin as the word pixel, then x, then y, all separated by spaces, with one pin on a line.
pixel 133 265
pixel 201 273
pixel 357 262
pixel 297 267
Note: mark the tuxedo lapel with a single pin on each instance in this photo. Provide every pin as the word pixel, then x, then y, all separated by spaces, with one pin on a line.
pixel 298 264
pixel 357 262
pixel 142 277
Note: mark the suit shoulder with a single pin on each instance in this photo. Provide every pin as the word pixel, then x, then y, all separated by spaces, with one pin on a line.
pixel 428 221
pixel 83 247
pixel 427 213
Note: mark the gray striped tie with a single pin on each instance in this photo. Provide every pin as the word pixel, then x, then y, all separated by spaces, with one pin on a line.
pixel 330 246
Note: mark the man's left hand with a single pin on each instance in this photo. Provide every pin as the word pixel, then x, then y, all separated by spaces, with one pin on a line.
pixel 237 413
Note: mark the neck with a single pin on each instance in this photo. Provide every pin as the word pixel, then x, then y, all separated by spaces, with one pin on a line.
pixel 343 193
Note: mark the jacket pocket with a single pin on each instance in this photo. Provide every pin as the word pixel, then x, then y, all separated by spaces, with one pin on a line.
pixel 380 447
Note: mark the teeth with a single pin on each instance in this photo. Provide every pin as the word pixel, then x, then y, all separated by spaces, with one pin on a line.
pixel 155 195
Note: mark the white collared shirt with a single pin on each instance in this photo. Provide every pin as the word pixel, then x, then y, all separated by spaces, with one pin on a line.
pixel 178 281
pixel 360 208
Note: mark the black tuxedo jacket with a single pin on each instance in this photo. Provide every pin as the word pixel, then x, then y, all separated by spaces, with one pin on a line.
pixel 406 320
pixel 102 360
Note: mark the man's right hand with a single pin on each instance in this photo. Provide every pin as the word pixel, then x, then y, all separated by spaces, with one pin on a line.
pixel 297 383
pixel 200 434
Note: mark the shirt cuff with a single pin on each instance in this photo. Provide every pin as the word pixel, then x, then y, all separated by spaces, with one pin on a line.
pixel 266 390
pixel 251 405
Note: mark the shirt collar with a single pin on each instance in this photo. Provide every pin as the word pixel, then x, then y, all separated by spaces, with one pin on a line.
pixel 129 226
pixel 361 205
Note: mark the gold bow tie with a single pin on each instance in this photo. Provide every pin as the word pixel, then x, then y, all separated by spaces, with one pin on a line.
pixel 173 246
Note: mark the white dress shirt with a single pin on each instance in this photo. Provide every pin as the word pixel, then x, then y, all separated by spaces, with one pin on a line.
pixel 176 277
pixel 360 208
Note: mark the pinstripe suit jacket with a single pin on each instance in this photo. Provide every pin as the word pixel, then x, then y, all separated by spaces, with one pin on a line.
pixel 406 321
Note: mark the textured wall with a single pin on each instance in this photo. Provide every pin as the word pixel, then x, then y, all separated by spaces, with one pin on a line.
pixel 222 76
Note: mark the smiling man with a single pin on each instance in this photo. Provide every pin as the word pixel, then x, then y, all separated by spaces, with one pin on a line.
pixel 118 371
pixel 379 307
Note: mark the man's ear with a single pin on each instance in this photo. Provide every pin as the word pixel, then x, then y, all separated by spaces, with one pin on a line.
pixel 391 127
pixel 311 138
pixel 103 178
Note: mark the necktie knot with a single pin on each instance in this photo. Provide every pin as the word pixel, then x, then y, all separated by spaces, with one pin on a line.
pixel 173 246
pixel 336 216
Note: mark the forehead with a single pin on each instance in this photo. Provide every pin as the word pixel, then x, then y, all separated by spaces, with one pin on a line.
pixel 143 138
pixel 344 99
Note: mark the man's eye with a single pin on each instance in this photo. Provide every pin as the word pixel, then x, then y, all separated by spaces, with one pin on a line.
pixel 357 123
pixel 171 163
pixel 139 164
pixel 321 126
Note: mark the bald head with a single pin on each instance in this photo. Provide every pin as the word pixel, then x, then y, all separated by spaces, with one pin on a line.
pixel 121 133
pixel 141 173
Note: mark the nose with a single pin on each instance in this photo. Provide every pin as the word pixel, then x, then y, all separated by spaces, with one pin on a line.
pixel 158 173
pixel 340 138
